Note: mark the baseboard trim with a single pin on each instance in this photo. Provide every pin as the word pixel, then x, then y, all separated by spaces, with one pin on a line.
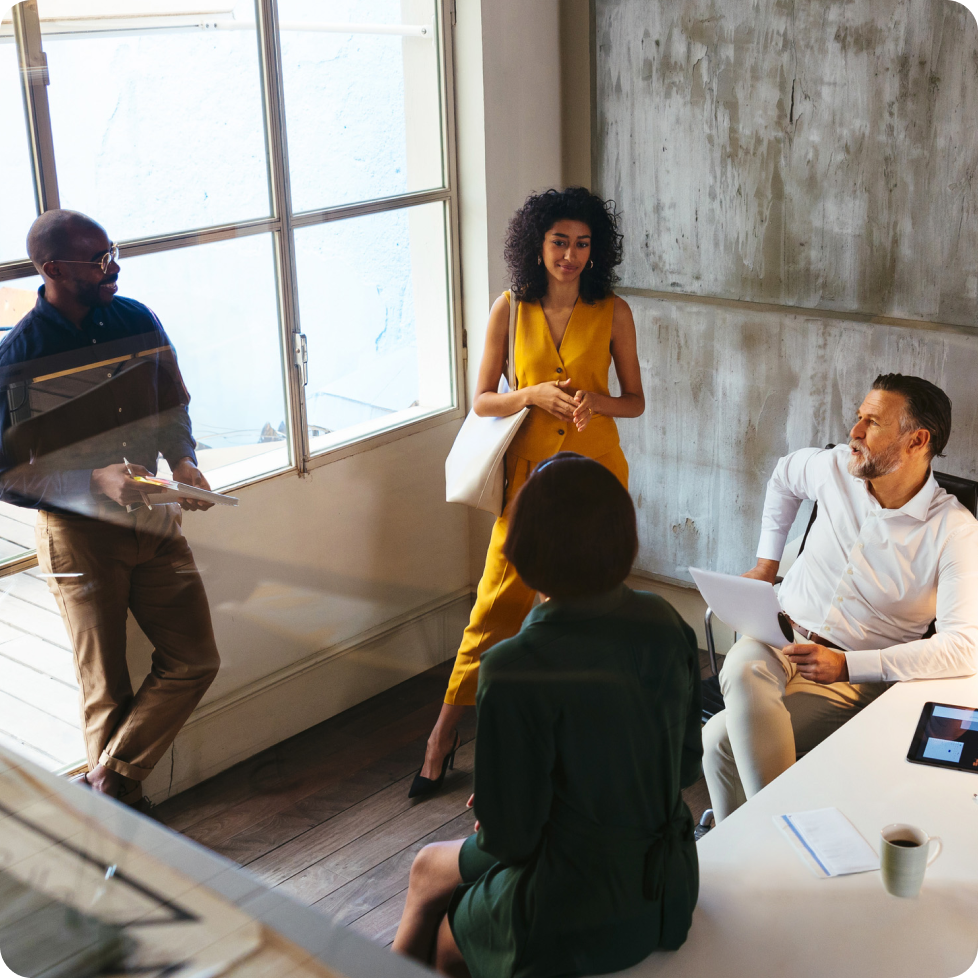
pixel 263 713
pixel 260 687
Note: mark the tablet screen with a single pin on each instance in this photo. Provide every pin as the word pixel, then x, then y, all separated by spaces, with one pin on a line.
pixel 947 736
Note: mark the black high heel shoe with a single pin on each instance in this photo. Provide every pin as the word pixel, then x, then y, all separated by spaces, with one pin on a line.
pixel 422 787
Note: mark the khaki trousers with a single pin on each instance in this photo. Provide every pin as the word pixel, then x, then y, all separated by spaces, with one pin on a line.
pixel 139 562
pixel 772 715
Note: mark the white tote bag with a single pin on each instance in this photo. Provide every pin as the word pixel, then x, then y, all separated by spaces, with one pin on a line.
pixel 474 467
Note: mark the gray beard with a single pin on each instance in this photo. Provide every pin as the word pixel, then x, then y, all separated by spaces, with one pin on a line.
pixel 871 466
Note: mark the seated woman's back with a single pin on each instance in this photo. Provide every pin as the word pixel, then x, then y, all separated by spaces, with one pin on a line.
pixel 588 728
pixel 589 725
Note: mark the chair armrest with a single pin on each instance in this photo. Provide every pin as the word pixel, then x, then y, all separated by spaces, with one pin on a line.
pixel 711 645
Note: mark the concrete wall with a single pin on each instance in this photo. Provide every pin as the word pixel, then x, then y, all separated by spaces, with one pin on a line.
pixel 796 184
pixel 730 390
pixel 817 155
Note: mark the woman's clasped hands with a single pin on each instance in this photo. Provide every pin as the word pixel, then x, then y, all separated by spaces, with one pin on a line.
pixel 585 408
pixel 555 398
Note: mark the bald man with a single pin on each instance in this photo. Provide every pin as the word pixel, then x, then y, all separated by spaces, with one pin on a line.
pixel 92 397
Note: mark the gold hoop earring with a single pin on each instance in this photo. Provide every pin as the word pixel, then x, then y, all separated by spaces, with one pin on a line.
pixel 590 264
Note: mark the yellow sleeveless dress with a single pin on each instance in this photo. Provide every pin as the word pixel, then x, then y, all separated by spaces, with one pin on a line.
pixel 503 600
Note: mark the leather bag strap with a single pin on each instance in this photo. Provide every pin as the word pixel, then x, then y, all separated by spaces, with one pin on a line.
pixel 514 305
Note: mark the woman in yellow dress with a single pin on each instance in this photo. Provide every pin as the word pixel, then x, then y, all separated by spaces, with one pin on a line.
pixel 562 248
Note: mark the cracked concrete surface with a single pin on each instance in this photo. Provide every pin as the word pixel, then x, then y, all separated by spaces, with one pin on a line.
pixel 819 155
pixel 816 158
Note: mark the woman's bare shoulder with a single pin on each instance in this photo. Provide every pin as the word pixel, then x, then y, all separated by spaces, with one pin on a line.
pixel 621 316
pixel 499 315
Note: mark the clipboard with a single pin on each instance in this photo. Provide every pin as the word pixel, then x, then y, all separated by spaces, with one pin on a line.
pixel 167 491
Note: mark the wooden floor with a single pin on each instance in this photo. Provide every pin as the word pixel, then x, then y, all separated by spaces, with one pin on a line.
pixel 38 692
pixel 325 815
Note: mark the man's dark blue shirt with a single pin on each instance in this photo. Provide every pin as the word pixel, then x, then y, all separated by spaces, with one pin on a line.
pixel 45 344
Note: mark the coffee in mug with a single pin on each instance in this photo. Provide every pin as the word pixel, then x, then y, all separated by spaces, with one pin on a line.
pixel 905 854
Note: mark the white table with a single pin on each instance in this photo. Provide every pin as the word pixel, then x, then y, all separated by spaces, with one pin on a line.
pixel 762 912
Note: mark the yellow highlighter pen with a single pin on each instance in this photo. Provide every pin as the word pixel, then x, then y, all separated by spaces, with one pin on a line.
pixel 149 505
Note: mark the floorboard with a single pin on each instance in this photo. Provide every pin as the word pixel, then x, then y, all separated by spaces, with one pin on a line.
pixel 41 656
pixel 57 740
pixel 31 619
pixel 17 532
pixel 30 588
pixel 380 924
pixel 26 749
pixel 326 816
pixel 353 899
pixel 51 696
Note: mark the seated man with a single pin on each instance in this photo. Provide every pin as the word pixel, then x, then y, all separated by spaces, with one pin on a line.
pixel 889 552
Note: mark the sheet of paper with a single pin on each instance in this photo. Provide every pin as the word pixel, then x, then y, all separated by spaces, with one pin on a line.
pixel 831 842
pixel 747 606
pixel 167 491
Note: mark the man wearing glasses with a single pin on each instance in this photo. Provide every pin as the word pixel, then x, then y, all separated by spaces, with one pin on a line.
pixel 91 397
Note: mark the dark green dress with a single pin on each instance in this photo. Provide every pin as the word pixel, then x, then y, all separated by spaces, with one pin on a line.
pixel 588 726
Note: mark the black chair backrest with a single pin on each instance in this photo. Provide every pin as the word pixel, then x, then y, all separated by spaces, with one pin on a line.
pixel 965 489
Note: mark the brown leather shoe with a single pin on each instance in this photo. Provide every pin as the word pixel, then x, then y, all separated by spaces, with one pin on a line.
pixel 130 792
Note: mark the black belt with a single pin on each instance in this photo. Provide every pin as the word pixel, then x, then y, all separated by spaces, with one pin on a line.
pixel 814 636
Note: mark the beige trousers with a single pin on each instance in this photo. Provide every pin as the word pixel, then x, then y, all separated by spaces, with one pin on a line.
pixel 772 715
pixel 139 562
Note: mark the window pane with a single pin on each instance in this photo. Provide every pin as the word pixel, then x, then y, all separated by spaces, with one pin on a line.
pixel 373 303
pixel 17 298
pixel 159 130
pixel 362 109
pixel 17 207
pixel 218 305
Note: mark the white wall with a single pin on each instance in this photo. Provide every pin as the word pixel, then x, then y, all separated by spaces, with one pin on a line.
pixel 508 72
pixel 324 591
pixel 517 106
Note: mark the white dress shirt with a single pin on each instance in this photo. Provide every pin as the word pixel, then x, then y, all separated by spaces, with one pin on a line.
pixel 870 579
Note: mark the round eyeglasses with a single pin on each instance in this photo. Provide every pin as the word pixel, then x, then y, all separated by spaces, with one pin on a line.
pixel 112 255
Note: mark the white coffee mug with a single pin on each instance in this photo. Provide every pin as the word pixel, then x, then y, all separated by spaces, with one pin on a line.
pixel 904 857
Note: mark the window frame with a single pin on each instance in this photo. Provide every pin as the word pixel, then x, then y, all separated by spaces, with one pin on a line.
pixel 281 223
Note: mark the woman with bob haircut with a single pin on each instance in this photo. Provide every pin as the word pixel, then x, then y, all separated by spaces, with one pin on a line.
pixel 583 861
pixel 562 248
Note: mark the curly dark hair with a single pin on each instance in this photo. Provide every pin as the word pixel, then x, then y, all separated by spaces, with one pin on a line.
pixel 524 241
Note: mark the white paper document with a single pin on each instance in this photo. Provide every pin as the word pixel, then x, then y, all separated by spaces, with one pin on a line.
pixel 828 843
pixel 168 491
pixel 748 606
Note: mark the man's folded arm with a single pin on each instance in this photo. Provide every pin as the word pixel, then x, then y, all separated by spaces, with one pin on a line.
pixel 792 482
pixel 953 651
